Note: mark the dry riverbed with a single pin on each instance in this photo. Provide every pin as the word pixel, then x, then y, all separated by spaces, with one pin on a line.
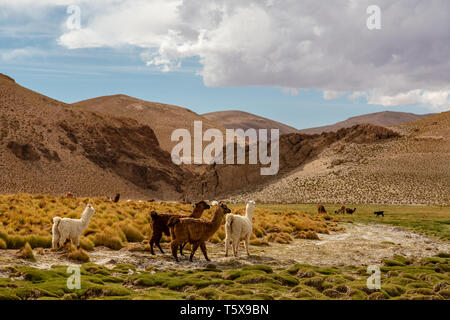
pixel 359 245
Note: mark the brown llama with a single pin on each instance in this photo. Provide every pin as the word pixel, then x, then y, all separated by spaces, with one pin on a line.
pixel 196 231
pixel 350 211
pixel 341 210
pixel 160 220
pixel 321 209
pixel 69 195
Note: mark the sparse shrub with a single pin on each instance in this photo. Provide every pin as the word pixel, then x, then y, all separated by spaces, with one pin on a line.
pixel 2 244
pixel 78 254
pixel 132 234
pixel 108 239
pixel 86 244
pixel 27 253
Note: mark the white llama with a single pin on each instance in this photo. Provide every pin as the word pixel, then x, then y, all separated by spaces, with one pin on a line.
pixel 239 228
pixel 65 228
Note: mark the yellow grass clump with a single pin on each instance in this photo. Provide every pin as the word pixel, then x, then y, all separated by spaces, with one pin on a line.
pixel 28 218
pixel 78 254
pixel 27 253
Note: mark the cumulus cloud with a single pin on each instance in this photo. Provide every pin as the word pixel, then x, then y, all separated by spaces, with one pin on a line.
pixel 288 44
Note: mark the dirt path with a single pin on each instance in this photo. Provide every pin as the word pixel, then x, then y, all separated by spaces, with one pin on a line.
pixel 359 244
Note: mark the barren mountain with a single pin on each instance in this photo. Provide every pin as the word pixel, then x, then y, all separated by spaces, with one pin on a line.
pixel 385 119
pixel 245 120
pixel 412 169
pixel 162 118
pixel 47 146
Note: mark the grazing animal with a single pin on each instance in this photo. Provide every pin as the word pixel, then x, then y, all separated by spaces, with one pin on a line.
pixel 379 213
pixel 321 209
pixel 160 227
pixel 350 211
pixel 341 210
pixel 117 198
pixel 65 228
pixel 196 231
pixel 239 228
pixel 69 195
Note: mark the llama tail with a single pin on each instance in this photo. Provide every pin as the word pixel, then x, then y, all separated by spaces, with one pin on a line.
pixel 229 225
pixel 173 221
pixel 56 221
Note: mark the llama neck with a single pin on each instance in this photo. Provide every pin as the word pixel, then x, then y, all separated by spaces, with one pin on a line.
pixel 85 219
pixel 197 212
pixel 217 219
pixel 249 213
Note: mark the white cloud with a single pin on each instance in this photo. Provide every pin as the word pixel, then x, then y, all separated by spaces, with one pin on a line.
pixel 20 53
pixel 290 91
pixel 288 44
pixel 331 95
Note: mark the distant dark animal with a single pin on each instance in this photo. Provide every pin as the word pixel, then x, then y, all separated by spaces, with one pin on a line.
pixel 160 220
pixel 321 209
pixel 379 213
pixel 341 210
pixel 350 211
pixel 117 198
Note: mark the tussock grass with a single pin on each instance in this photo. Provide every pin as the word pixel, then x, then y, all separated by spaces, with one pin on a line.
pixel 28 218
pixel 27 252
pixel 78 254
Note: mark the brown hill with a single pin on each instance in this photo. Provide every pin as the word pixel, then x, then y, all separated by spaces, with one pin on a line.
pixel 412 169
pixel 244 120
pixel 384 118
pixel 162 118
pixel 47 146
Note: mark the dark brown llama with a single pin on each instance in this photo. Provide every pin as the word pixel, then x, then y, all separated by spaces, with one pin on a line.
pixel 160 220
pixel 196 231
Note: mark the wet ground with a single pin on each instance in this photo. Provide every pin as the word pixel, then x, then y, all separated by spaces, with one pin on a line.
pixel 359 244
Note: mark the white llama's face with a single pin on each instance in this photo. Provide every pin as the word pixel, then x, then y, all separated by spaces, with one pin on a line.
pixel 90 209
pixel 251 204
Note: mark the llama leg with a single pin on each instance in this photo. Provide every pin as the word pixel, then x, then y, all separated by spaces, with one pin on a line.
pixel 203 247
pixel 235 246
pixel 246 244
pixel 194 248
pixel 159 246
pixel 55 239
pixel 76 242
pixel 227 246
pixel 181 248
pixel 154 238
pixel 174 247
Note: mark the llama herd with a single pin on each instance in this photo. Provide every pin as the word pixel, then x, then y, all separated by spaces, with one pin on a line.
pixel 182 229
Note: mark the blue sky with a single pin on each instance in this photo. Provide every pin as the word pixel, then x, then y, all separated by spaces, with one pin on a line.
pixel 31 51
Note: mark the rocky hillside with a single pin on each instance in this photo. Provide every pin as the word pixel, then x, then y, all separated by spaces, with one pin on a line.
pixel 243 120
pixel 384 119
pixel 162 118
pixel 48 146
pixel 412 169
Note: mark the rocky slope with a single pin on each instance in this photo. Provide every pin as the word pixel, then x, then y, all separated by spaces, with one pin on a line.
pixel 48 146
pixel 412 169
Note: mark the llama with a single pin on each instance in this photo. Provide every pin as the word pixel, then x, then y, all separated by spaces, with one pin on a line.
pixel 239 228
pixel 160 220
pixel 196 231
pixel 350 211
pixel 341 210
pixel 321 209
pixel 65 228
